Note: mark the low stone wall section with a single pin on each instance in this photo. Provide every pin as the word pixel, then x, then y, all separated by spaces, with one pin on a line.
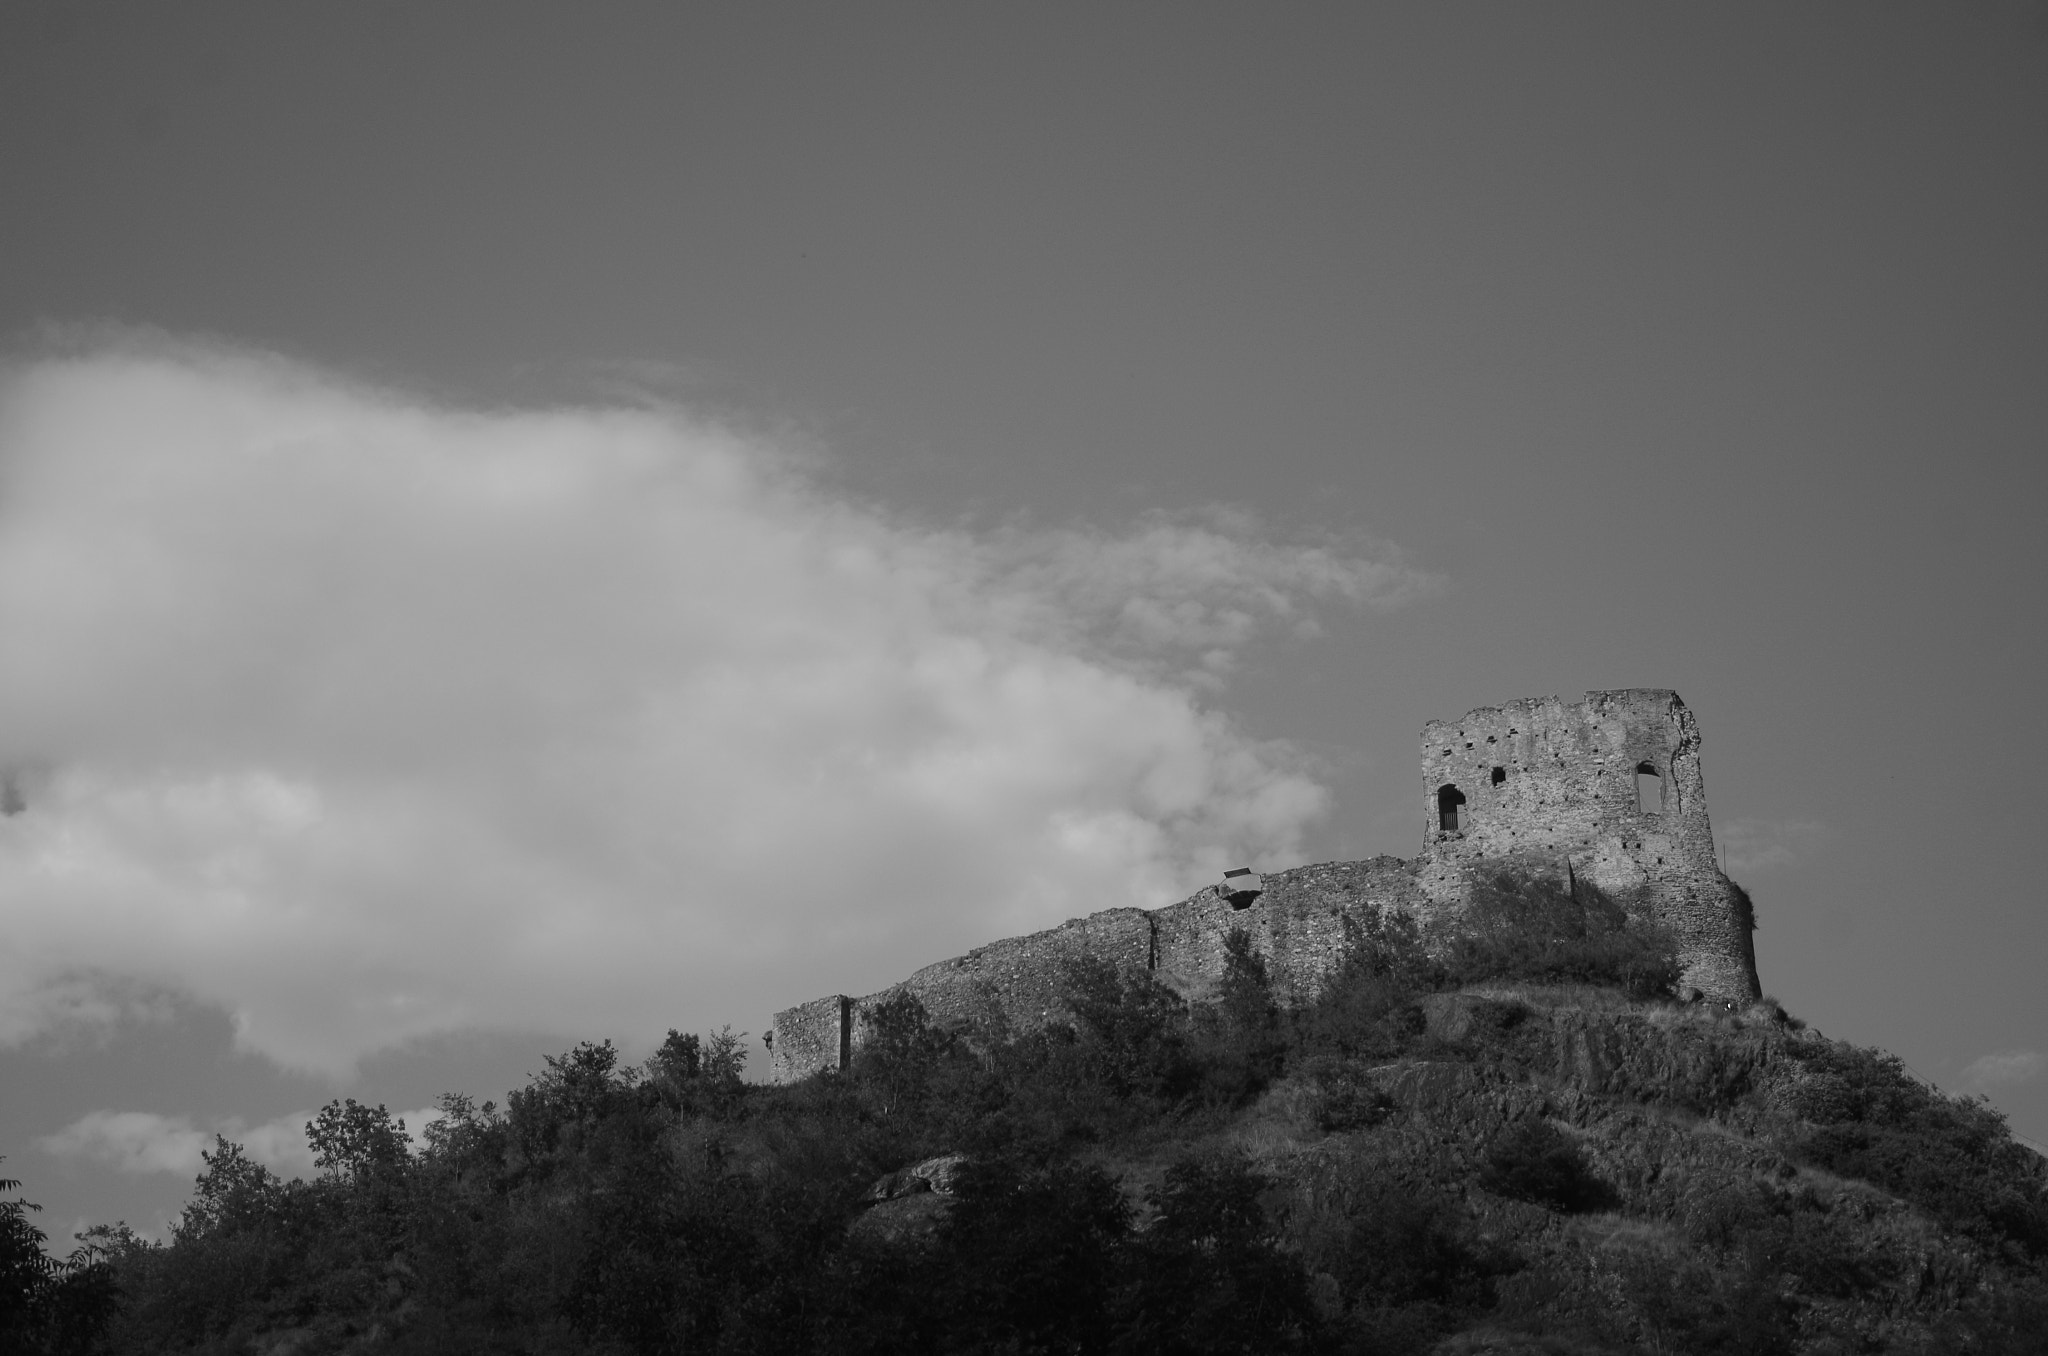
pixel 1016 985
pixel 1297 925
pixel 809 1037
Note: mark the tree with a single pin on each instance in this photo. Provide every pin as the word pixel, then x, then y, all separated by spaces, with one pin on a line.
pixel 699 1077
pixel 1245 1047
pixel 1210 1275
pixel 233 1193
pixel 26 1271
pixel 49 1305
pixel 353 1141
pixel 1132 1029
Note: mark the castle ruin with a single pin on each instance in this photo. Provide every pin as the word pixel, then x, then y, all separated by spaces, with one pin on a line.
pixel 1606 790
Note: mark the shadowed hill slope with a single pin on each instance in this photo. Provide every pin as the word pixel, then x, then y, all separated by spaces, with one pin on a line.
pixel 1509 1140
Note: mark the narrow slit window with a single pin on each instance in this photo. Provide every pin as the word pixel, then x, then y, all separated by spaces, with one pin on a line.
pixel 1649 789
pixel 1450 804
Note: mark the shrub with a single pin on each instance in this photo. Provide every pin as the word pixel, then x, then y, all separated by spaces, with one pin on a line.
pixel 1210 1275
pixel 1952 1156
pixel 1237 1042
pixel 1538 1163
pixel 1031 1257
pixel 1366 1008
pixel 1527 925
pixel 1790 1233
pixel 49 1304
pixel 901 1052
pixel 1686 1306
pixel 1406 1270
pixel 1130 1030
pixel 1345 1097
pixel 1993 1322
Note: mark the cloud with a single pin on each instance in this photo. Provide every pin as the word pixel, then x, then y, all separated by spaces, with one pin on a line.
pixel 1749 845
pixel 131 1141
pixel 367 719
pixel 2003 1069
pixel 146 1142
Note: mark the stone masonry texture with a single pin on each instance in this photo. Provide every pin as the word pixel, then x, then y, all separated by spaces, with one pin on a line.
pixel 1556 784
pixel 1537 782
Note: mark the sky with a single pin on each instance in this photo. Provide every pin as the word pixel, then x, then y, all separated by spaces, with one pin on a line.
pixel 523 524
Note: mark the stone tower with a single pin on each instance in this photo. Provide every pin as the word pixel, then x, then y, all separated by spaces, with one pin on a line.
pixel 1608 789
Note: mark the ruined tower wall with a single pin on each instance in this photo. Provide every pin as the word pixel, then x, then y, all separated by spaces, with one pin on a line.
pixel 1566 798
pixel 1567 794
pixel 809 1037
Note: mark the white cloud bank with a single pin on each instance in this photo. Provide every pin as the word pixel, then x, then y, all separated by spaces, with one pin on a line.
pixel 1760 844
pixel 369 720
pixel 2003 1069
pixel 146 1142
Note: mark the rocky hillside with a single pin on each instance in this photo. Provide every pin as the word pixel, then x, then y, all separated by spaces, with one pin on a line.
pixel 1514 1139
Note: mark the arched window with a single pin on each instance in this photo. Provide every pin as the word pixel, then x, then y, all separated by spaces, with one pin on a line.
pixel 1649 789
pixel 1449 801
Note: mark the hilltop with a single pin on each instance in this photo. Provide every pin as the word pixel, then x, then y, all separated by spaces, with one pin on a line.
pixel 1519 1094
pixel 1509 1137
pixel 1606 790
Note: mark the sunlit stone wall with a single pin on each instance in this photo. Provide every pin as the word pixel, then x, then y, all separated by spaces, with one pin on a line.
pixel 1606 789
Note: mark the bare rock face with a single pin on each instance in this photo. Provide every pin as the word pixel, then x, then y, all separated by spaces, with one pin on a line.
pixel 910 1203
pixel 933 1174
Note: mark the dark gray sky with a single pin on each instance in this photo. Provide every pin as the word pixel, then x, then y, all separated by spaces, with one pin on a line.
pixel 1526 349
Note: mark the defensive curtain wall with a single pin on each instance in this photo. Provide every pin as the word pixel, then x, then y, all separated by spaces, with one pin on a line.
pixel 1606 789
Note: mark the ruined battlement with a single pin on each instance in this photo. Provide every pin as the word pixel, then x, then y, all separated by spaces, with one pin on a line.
pixel 1607 789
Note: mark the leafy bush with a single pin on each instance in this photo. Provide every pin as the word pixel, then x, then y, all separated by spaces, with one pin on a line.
pixel 1790 1233
pixel 1532 926
pixel 1684 1305
pixel 1518 925
pixel 49 1305
pixel 699 1077
pixel 1994 1322
pixel 1210 1275
pixel 1869 1118
pixel 674 1207
pixel 1405 1269
pixel 1345 1096
pixel 1238 1044
pixel 1538 1163
pixel 1366 1008
pixel 1131 1031
pixel 1031 1257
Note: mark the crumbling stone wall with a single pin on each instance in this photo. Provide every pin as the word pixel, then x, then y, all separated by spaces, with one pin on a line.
pixel 1536 781
pixel 1015 984
pixel 1546 781
pixel 1297 924
pixel 809 1037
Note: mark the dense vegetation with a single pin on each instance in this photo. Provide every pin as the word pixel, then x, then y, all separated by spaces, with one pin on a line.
pixel 1505 1140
